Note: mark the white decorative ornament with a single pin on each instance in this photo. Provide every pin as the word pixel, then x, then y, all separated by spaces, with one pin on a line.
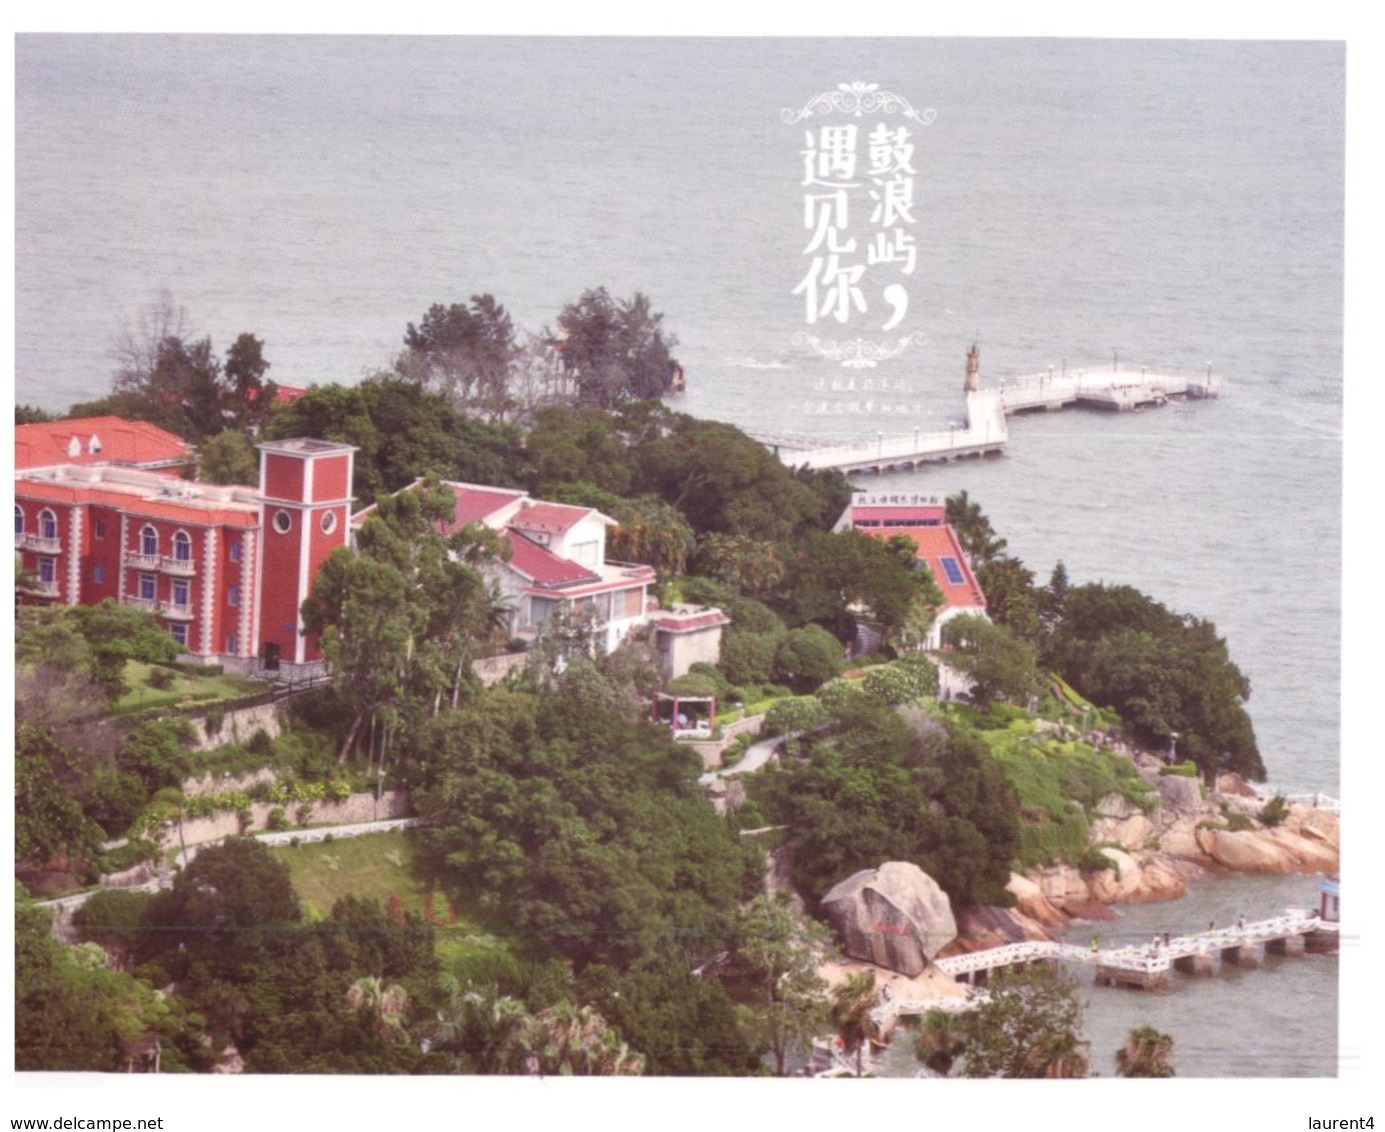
pixel 857 99
pixel 859 353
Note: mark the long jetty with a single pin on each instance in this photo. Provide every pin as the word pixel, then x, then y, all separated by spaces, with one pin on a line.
pixel 1146 967
pixel 1122 387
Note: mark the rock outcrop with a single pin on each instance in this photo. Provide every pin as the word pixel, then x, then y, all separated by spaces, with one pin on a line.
pixel 895 916
pixel 1184 838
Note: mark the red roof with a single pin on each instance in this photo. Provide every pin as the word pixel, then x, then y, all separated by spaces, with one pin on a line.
pixel 543 567
pixel 935 544
pixel 476 504
pixel 671 622
pixel 149 507
pixel 97 440
pixel 549 518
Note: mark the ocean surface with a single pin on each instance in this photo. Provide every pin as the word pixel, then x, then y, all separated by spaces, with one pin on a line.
pixel 1174 203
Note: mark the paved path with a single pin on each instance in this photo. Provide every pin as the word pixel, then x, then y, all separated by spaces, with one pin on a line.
pixel 755 757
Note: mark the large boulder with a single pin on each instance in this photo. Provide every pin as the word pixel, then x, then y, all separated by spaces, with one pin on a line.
pixel 982 926
pixel 1180 794
pixel 895 916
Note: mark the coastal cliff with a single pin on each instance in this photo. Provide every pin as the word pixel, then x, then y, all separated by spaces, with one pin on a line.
pixel 1155 854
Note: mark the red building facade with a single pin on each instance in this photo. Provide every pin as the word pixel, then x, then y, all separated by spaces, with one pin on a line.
pixel 223 568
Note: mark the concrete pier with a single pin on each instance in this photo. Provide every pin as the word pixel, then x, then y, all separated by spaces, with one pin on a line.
pixel 1286 945
pixel 1199 963
pixel 1243 955
pixel 984 433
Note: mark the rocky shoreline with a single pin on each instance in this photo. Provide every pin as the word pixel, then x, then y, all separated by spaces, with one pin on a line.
pixel 1155 854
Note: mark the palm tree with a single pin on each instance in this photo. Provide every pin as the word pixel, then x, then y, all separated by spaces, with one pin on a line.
pixel 942 1040
pixel 1146 1053
pixel 384 1006
pixel 852 1003
pixel 1058 1056
pixel 482 1030
pixel 576 1041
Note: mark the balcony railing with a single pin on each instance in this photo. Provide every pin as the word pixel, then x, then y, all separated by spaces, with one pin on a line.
pixel 179 566
pixel 137 561
pixel 43 545
pixel 176 611
pixel 42 588
pixel 148 604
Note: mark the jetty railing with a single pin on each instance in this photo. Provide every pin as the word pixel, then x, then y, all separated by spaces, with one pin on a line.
pixel 1146 964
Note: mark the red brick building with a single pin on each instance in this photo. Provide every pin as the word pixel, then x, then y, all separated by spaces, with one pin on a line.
pixel 224 568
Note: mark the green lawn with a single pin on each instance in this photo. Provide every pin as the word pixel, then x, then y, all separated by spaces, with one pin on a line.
pixel 186 689
pixel 379 865
pixel 374 867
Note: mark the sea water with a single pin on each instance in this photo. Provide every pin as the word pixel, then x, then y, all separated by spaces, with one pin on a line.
pixel 1159 202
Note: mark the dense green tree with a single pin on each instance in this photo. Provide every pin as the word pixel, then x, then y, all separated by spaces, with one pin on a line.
pixel 614 350
pixel 399 615
pixel 746 565
pixel 31 414
pixel 580 827
pixel 684 1025
pixel 114 918
pixel 464 351
pixel 852 1002
pixel 1031 1026
pixel 834 579
pixel 1163 672
pixel 881 786
pixel 1146 1053
pixel 49 784
pixel 942 1039
pixel 1011 598
pixel 782 949
pixel 249 398
pixel 118 634
pixel 223 906
pixel 73 1013
pixel 401 432
pixel 807 657
pixel 974 531
pixel 228 458
pixel 651 532
pixel 997 662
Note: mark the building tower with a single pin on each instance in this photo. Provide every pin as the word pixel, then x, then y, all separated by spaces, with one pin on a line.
pixel 973 370
pixel 305 507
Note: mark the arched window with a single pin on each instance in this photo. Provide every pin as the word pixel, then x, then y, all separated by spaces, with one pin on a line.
pixel 182 547
pixel 47 524
pixel 148 540
pixel 18 519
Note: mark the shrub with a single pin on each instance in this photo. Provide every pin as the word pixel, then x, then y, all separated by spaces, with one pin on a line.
pixel 787 716
pixel 721 687
pixel 1093 860
pixel 161 679
pixel 838 695
pixel 260 745
pixel 808 657
pixel 693 685
pixel 278 819
pixel 895 683
pixel 1186 769
pixel 1275 811
pixel 211 724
